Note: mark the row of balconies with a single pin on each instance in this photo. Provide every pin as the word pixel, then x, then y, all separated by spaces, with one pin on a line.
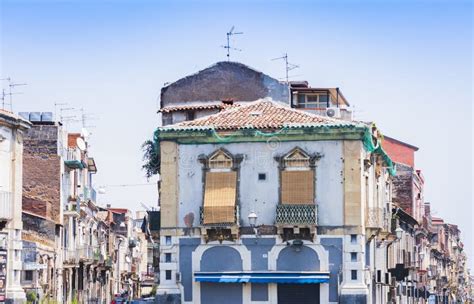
pixel 305 214
pixel 84 253
pixel 285 214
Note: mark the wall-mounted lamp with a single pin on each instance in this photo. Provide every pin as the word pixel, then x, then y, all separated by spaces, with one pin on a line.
pixel 252 219
pixel 399 233
pixel 253 222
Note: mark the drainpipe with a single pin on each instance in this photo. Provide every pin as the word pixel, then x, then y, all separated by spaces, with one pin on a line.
pixel 118 265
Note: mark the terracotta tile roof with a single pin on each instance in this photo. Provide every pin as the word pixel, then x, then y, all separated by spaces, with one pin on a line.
pixel 261 114
pixel 202 106
pixel 118 210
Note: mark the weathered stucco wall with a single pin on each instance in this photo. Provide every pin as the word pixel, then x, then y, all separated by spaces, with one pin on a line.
pixel 225 80
pixel 353 214
pixel 262 196
pixel 169 184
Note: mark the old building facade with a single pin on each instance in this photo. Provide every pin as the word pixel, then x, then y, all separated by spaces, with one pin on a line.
pixel 237 208
pixel 12 131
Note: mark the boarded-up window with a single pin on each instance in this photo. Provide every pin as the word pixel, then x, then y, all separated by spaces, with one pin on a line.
pixel 297 187
pixel 219 197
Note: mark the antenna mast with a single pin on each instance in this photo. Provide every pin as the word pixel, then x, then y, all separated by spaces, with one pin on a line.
pixel 288 66
pixel 228 47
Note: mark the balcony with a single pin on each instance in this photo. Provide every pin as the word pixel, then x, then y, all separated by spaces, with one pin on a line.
pixel 228 231
pixel 226 224
pixel 71 257
pixel 72 159
pixel 296 215
pixel 6 206
pixel 86 253
pixel 376 218
pixel 90 194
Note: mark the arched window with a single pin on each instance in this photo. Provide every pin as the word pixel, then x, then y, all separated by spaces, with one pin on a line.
pixel 297 178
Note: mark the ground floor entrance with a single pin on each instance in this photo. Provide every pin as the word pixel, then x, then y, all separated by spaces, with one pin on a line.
pixel 298 293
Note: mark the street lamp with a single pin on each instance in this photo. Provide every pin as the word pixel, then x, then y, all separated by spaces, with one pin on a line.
pixel 399 233
pixel 253 222
pixel 252 219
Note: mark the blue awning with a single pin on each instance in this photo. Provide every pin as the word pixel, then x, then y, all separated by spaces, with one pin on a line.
pixel 263 277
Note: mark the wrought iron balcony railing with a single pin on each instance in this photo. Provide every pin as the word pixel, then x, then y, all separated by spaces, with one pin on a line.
pixel 289 214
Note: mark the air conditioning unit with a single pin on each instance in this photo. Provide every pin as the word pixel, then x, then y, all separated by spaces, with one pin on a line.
pixel 178 277
pixel 333 112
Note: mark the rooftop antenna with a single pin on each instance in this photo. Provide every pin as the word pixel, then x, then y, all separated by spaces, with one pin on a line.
pixel 11 86
pixel 288 66
pixel 85 117
pixel 228 47
pixel 61 109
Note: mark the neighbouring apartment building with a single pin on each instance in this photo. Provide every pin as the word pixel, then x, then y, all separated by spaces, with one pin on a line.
pixel 42 206
pixel 263 203
pixel 12 132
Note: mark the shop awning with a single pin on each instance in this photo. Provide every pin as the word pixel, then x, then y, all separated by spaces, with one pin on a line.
pixel 280 277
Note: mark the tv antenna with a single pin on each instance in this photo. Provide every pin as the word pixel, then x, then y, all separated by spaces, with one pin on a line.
pixel 228 47
pixel 288 66
pixel 11 86
pixel 61 110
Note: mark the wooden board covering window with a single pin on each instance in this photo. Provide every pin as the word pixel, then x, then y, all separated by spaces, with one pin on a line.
pixel 219 197
pixel 297 187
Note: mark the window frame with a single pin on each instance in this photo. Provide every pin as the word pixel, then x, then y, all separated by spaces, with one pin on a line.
pixel 311 104
pixel 354 274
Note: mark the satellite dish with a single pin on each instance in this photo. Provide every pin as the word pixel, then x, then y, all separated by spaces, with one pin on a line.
pixel 81 144
pixel 330 112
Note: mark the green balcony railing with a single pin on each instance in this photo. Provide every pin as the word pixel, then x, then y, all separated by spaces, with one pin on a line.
pixel 289 214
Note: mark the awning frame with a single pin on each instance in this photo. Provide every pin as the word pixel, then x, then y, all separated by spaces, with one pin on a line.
pixel 263 277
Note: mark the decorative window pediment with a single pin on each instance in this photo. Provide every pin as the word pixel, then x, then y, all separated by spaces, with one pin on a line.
pixel 220 160
pixel 296 159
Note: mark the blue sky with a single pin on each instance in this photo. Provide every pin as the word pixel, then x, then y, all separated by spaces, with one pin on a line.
pixel 405 64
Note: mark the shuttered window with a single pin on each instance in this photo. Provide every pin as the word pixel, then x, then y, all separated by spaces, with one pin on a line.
pixel 297 187
pixel 220 197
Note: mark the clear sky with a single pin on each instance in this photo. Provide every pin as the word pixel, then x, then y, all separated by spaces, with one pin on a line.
pixel 405 64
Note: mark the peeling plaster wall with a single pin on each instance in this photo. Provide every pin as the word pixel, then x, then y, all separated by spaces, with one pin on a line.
pixel 262 196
